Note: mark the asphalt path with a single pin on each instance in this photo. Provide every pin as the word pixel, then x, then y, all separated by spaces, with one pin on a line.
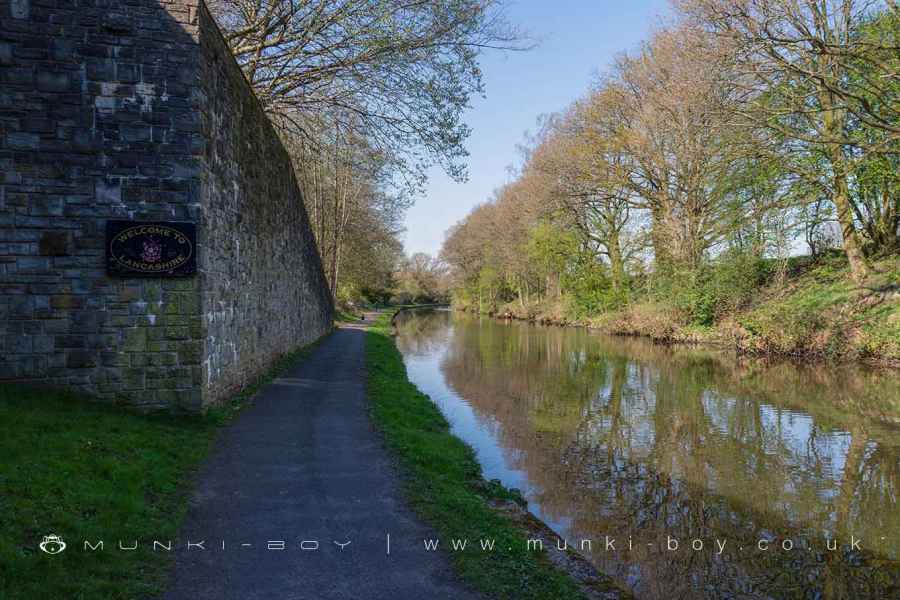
pixel 306 500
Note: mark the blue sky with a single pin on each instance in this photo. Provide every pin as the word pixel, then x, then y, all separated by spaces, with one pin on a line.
pixel 577 40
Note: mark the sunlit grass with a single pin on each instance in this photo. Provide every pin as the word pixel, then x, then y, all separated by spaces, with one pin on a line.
pixel 445 487
pixel 343 316
pixel 823 312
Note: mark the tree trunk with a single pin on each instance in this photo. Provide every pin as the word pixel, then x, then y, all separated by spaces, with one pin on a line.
pixel 661 253
pixel 859 269
pixel 617 264
pixel 833 119
pixel 885 226
pixel 335 265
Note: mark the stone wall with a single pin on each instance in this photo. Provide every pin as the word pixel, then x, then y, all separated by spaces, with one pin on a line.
pixel 133 109
pixel 264 289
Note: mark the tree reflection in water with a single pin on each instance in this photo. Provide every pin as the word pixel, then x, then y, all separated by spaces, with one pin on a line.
pixel 621 437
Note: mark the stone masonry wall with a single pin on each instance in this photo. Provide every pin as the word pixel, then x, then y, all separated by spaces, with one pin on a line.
pixel 98 122
pixel 264 291
pixel 106 112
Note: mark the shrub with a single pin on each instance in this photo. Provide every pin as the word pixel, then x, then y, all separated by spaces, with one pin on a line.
pixel 715 289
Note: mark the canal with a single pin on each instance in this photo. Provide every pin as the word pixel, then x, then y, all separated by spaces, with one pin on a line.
pixel 680 472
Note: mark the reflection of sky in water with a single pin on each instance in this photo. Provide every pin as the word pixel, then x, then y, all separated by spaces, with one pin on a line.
pixel 673 439
pixel 790 429
pixel 423 369
pixel 784 429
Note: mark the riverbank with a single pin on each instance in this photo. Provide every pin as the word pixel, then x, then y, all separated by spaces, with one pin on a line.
pixel 815 313
pixel 445 487
pixel 87 471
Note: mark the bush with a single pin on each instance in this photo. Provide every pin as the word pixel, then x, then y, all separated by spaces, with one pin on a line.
pixel 589 288
pixel 715 289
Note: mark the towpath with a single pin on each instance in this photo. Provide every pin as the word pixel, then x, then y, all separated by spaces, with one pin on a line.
pixel 303 469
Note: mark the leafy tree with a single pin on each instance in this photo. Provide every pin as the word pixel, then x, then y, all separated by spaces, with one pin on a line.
pixel 816 74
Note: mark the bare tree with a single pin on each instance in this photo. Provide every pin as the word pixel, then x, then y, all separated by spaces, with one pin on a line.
pixel 345 186
pixel 368 94
pixel 421 278
pixel 664 115
pixel 397 72
pixel 574 152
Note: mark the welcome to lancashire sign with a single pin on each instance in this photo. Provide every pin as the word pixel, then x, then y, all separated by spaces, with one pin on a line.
pixel 151 249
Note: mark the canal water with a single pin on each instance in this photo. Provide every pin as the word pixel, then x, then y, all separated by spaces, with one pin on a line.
pixel 712 476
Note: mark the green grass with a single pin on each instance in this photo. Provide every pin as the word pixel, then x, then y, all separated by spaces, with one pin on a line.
pixel 88 471
pixel 821 312
pixel 343 316
pixel 444 484
pixel 817 312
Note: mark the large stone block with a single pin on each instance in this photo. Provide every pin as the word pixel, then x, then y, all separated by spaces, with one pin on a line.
pixel 135 339
pixel 53 81
pixel 81 359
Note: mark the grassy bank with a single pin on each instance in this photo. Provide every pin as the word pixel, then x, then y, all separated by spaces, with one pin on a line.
pixel 445 486
pixel 815 311
pixel 345 315
pixel 87 471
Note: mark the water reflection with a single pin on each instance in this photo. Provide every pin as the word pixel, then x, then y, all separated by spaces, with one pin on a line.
pixel 622 438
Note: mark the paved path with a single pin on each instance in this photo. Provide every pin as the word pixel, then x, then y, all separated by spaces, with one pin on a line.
pixel 304 463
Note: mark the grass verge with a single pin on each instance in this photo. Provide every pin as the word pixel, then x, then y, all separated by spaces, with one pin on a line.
pixel 818 312
pixel 88 471
pixel 345 316
pixel 445 486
